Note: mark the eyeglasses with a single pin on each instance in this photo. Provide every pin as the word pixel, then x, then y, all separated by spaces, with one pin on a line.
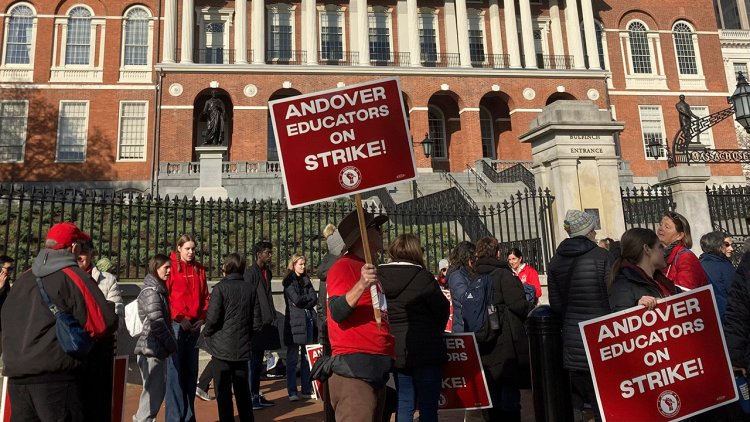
pixel 727 244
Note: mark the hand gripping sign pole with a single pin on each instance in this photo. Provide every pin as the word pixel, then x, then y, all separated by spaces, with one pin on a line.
pixel 368 257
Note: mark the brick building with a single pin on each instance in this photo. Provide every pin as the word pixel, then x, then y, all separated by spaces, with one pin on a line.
pixel 109 94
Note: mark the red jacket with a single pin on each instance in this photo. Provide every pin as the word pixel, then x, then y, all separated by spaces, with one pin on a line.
pixel 528 275
pixel 188 290
pixel 684 269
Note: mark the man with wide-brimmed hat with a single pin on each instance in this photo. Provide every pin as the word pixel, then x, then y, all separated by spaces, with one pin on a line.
pixel 362 351
pixel 45 382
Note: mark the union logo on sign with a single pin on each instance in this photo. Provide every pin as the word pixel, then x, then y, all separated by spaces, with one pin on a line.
pixel 350 177
pixel 668 403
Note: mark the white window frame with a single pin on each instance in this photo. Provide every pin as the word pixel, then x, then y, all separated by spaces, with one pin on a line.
pixel 688 81
pixel 25 129
pixel 210 15
pixel 92 72
pixel 387 12
pixel 332 9
pixel 145 131
pixel 271 10
pixel 444 145
pixel 663 132
pixel 59 127
pixel 13 72
pixel 477 14
pixel 706 137
pixel 654 80
pixel 137 73
pixel 433 13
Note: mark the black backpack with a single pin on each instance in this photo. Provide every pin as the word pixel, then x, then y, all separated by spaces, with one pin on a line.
pixel 479 313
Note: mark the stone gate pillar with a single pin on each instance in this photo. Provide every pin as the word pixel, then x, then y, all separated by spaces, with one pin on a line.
pixel 573 151
pixel 688 185
pixel 211 158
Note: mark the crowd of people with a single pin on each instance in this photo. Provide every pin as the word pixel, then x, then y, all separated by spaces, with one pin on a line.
pixel 373 364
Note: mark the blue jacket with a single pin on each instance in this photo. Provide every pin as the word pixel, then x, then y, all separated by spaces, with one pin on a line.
pixel 458 283
pixel 720 273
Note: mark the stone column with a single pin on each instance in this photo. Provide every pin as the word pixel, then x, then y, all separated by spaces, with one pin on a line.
pixel 573 149
pixel 188 28
pixel 688 185
pixel 412 15
pixel 462 28
pixel 210 157
pixel 363 33
pixel 310 30
pixel 527 34
pixel 258 40
pixel 495 33
pixel 240 31
pixel 557 38
pixel 511 33
pixel 170 30
pixel 451 37
pixel 592 49
pixel 575 45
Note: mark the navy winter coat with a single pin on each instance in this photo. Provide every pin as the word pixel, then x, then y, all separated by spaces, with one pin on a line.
pixel 720 273
pixel 300 298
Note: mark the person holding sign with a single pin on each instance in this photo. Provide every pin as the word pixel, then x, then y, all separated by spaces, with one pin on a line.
pixel 362 351
pixel 636 276
pixel 682 268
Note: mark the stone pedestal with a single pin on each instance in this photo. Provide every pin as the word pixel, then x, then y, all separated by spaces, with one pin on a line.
pixel 688 184
pixel 210 158
pixel 573 150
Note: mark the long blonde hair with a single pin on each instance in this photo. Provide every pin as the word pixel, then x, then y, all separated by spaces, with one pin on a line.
pixel 296 257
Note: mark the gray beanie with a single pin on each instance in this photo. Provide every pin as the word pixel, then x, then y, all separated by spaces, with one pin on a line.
pixel 578 223
pixel 335 243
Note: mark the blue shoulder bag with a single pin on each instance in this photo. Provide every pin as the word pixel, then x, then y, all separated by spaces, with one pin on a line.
pixel 73 339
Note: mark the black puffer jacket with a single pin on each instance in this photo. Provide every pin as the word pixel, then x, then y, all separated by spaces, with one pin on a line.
pixel 230 320
pixel 737 317
pixel 417 314
pixel 578 293
pixel 631 285
pixel 300 299
pixel 504 358
pixel 266 337
pixel 157 338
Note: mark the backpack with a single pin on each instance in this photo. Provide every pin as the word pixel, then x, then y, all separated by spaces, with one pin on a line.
pixel 133 321
pixel 479 313
pixel 530 292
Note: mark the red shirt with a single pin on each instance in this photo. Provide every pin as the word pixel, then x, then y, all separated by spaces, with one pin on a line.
pixel 528 275
pixel 188 290
pixel 359 333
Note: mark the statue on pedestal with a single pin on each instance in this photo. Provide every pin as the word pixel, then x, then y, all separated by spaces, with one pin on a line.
pixel 686 117
pixel 214 109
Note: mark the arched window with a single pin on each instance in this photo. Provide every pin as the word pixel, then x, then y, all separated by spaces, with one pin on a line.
pixel 136 30
pixel 488 136
pixel 19 38
pixel 685 49
pixel 639 49
pixel 436 125
pixel 78 41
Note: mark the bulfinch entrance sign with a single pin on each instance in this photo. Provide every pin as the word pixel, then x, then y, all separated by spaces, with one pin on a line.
pixel 661 365
pixel 342 141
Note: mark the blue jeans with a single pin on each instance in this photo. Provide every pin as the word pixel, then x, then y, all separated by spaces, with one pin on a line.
pixel 292 356
pixel 182 377
pixel 418 387
pixel 255 367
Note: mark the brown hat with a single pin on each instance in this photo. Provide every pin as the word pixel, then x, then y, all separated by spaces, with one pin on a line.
pixel 349 227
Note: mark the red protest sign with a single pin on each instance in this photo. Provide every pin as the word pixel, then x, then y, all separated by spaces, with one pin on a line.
pixel 342 141
pixel 464 384
pixel 314 351
pixel 119 384
pixel 656 365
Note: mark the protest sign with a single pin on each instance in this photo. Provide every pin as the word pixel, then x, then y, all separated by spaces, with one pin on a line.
pixel 464 383
pixel 119 384
pixel 665 364
pixel 314 351
pixel 342 141
pixel 5 402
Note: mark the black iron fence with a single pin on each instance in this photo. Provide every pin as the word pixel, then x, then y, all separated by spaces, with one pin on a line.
pixel 130 228
pixel 729 208
pixel 643 207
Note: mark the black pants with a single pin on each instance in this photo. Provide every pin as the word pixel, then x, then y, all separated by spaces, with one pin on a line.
pixel 206 376
pixel 58 401
pixel 98 381
pixel 228 375
pixel 582 391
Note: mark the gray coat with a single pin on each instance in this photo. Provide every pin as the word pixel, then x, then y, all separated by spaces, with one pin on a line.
pixel 157 339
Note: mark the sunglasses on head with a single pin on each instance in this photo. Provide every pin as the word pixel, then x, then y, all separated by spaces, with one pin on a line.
pixel 727 244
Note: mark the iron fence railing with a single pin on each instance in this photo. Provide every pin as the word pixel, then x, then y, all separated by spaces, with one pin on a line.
pixel 644 207
pixel 216 55
pixel 429 59
pixel 479 181
pixel 491 61
pixel 502 171
pixel 286 56
pixel 547 61
pixel 729 208
pixel 338 58
pixel 129 228
pixel 395 59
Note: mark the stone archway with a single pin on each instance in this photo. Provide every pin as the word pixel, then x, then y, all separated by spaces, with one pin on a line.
pixel 494 118
pixel 199 118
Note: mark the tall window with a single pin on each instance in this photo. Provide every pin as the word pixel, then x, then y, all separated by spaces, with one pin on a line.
pixel 132 144
pixel 72 130
pixel 476 37
pixel 436 125
pixel 739 67
pixel 136 37
pixel 331 35
pixel 685 49
pixel 78 42
pixel 18 42
pixel 639 49
pixel 380 36
pixel 428 42
pixel 13 119
pixel 652 128
pixel 488 138
pixel 706 137
pixel 280 44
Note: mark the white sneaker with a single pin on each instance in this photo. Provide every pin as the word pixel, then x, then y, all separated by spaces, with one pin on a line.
pixel 293 397
pixel 307 396
pixel 202 394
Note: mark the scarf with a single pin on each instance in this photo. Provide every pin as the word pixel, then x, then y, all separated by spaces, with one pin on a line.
pixel 668 249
